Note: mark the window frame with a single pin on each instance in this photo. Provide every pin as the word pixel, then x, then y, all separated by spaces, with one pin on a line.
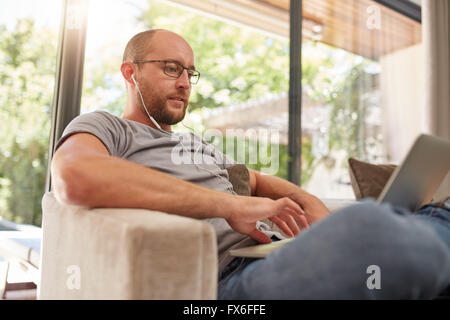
pixel 69 72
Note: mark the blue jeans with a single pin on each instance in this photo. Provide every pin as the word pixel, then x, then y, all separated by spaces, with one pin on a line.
pixel 335 258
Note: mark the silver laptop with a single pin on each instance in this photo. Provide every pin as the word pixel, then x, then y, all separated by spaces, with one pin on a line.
pixel 411 185
pixel 414 183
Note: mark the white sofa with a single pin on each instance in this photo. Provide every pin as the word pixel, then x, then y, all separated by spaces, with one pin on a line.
pixel 127 254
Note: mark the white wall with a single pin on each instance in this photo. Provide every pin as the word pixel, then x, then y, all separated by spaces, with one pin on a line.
pixel 402 83
pixel 402 98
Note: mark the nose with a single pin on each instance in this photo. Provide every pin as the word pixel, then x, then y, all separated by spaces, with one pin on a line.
pixel 183 80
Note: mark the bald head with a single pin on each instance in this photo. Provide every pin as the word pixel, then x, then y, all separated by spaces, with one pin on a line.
pixel 151 90
pixel 141 44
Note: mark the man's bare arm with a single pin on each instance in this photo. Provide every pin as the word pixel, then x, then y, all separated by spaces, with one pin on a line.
pixel 274 188
pixel 85 174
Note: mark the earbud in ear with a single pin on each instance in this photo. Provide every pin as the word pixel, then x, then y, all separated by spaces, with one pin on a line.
pixel 132 78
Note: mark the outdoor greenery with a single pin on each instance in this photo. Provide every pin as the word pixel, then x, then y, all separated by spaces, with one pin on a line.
pixel 27 68
pixel 349 107
pixel 236 65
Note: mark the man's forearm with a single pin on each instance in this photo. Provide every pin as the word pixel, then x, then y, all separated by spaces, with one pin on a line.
pixel 111 182
pixel 274 187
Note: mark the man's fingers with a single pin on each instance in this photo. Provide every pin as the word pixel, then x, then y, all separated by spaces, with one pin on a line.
pixel 303 222
pixel 283 226
pixel 299 216
pixel 290 221
pixel 292 224
pixel 260 236
pixel 290 212
pixel 292 205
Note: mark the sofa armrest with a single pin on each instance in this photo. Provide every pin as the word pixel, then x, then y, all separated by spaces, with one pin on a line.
pixel 125 254
pixel 337 204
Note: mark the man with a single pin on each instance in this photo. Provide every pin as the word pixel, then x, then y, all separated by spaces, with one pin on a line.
pixel 105 161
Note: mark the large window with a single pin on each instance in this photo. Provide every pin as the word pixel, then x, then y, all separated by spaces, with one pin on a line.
pixel 361 88
pixel 354 57
pixel 361 79
pixel 244 77
pixel 106 38
pixel 28 47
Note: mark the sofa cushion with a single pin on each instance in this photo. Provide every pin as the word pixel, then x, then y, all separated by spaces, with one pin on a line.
pixel 240 179
pixel 368 180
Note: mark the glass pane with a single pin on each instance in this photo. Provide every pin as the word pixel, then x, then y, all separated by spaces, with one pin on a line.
pixel 362 90
pixel 240 102
pixel 362 87
pixel 357 63
pixel 106 38
pixel 28 47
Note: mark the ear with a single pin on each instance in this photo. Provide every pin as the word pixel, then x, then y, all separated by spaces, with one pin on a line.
pixel 127 70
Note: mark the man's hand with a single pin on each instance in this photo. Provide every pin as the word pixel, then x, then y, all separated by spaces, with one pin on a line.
pixel 313 207
pixel 284 212
pixel 274 188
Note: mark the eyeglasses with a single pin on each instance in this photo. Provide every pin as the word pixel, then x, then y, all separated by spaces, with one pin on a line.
pixel 174 69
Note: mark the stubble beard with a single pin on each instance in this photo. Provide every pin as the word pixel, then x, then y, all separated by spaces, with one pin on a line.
pixel 157 108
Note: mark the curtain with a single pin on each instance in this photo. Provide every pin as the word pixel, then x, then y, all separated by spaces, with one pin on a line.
pixel 436 39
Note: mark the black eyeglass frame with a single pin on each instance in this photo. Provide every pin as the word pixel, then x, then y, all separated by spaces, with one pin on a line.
pixel 195 75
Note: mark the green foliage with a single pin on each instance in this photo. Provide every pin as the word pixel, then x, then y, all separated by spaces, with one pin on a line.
pixel 348 128
pixel 309 161
pixel 103 85
pixel 27 72
pixel 269 158
pixel 236 64
pixel 340 79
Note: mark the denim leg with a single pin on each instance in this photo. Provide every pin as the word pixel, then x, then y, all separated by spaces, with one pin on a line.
pixel 330 260
pixel 438 219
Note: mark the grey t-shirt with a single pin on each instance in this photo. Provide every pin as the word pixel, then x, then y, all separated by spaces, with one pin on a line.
pixel 173 153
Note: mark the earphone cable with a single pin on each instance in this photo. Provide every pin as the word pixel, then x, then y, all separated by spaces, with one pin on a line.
pixel 182 144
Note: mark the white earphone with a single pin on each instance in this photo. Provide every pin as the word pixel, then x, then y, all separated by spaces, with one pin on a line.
pixel 145 107
pixel 179 138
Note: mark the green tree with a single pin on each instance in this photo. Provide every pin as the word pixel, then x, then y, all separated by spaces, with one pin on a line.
pixel 339 79
pixel 27 72
pixel 236 64
pixel 348 130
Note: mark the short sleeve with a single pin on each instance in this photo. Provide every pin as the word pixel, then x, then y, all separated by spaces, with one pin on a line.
pixel 105 126
pixel 228 162
pixel 223 161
